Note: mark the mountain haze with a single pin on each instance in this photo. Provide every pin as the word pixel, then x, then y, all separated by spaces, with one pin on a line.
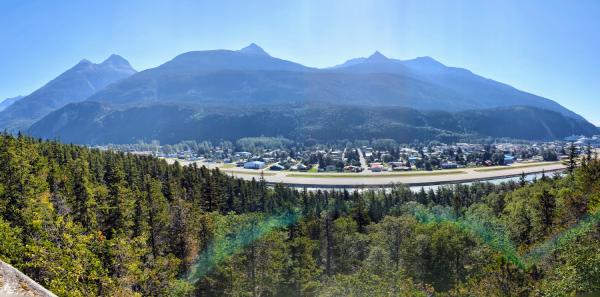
pixel 8 102
pixel 446 88
pixel 74 85
pixel 264 95
pixel 251 76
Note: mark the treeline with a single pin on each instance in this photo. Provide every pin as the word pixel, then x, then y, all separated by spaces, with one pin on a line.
pixel 86 222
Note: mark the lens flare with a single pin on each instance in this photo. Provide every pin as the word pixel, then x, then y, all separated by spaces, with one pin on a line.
pixel 498 240
pixel 561 239
pixel 492 235
pixel 223 248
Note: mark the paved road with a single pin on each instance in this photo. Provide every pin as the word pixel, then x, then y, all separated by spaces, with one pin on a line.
pixel 363 162
pixel 385 179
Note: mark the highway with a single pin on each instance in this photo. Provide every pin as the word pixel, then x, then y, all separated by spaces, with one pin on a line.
pixel 383 179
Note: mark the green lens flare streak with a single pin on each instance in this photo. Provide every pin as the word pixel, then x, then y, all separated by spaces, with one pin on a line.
pixel 494 236
pixel 223 248
pixel 499 241
pixel 496 239
pixel 562 238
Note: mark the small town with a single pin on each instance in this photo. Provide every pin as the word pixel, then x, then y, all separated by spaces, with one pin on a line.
pixel 306 148
pixel 384 155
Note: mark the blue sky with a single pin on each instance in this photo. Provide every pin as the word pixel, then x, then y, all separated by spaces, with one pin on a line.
pixel 550 48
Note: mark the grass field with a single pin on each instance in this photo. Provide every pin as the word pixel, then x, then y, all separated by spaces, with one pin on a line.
pixel 383 175
pixel 314 169
pixel 516 167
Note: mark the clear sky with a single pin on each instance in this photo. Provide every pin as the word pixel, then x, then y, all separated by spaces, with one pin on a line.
pixel 550 48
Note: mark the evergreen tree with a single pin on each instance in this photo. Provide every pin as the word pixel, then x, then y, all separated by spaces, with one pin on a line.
pixel 572 161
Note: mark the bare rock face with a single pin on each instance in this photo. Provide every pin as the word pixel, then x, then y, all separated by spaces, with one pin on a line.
pixel 14 283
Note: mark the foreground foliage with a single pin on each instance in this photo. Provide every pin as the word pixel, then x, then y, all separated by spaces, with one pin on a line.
pixel 93 223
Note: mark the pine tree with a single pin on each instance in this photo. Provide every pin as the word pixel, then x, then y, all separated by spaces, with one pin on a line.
pixel 546 208
pixel 572 162
pixel 523 179
pixel 158 217
pixel 85 203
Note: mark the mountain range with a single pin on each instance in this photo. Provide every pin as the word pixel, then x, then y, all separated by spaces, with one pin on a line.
pixel 74 85
pixel 252 77
pixel 225 94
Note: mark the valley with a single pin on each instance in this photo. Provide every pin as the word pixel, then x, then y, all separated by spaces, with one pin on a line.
pixel 378 179
pixel 306 148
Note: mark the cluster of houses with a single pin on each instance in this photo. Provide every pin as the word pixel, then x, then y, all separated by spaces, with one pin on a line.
pixel 459 155
pixel 338 158
pixel 272 160
pixel 583 141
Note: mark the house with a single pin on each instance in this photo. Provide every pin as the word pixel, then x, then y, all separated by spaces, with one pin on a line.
pixel 351 168
pixel 336 154
pixel 449 165
pixel 243 154
pixel 277 167
pixel 401 168
pixel 376 167
pixel 141 153
pixel 413 159
pixel 508 159
pixel 302 167
pixel 330 168
pixel 254 165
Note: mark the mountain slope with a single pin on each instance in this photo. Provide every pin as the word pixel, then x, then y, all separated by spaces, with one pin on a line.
pixel 252 77
pixel 95 123
pixel 264 95
pixel 204 76
pixel 74 85
pixel 465 89
pixel 8 102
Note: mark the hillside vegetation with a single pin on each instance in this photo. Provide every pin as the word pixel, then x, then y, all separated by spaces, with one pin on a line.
pixel 85 222
pixel 94 123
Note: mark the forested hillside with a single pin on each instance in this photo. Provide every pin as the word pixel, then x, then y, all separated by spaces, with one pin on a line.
pixel 96 123
pixel 85 222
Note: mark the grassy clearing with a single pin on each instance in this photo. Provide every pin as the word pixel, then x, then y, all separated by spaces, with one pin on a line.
pixel 383 175
pixel 228 165
pixel 516 167
pixel 313 169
